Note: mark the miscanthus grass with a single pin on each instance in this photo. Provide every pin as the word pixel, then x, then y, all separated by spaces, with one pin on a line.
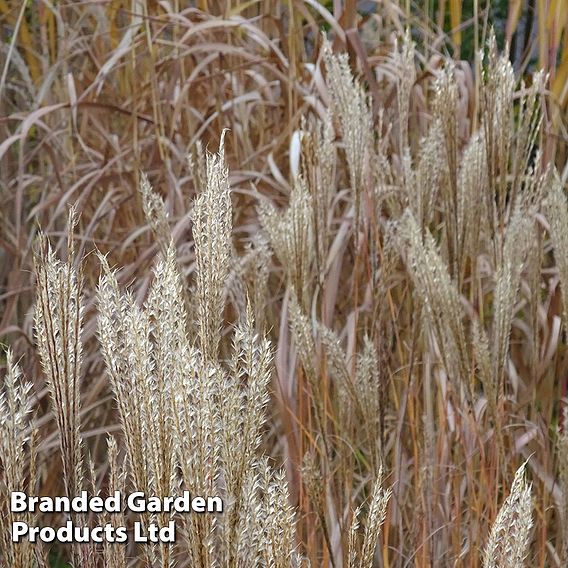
pixel 509 538
pixel 356 363
pixel 15 439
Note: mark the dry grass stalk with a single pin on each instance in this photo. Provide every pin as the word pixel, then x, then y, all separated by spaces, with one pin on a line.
pixel 257 273
pixel 563 475
pixel 114 554
pixel 15 408
pixel 508 542
pixel 212 224
pixel 367 386
pixel 315 484
pixel 156 214
pixel 472 222
pixel 497 123
pixel 556 207
pixel 302 333
pixel 117 340
pixel 518 237
pixel 245 396
pixel 141 348
pixel 445 107
pixel 319 169
pixel 362 555
pixel 58 328
pixel 352 108
pixel 422 182
pixel 292 238
pixel 439 297
pixel 404 59
pixel 58 324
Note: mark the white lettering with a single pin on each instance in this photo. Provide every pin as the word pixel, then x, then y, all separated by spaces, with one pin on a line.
pixel 18 502
pixel 18 529
pixel 136 502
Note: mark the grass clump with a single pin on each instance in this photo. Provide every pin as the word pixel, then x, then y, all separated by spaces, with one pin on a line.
pixel 348 321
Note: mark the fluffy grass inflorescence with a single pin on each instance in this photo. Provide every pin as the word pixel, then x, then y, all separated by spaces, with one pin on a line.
pixel 348 321
pixel 15 406
pixel 509 537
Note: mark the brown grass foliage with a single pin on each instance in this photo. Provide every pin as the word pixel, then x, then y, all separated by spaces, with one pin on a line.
pixel 346 315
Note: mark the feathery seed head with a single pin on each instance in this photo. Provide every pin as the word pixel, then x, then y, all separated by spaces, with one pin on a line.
pixel 508 542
